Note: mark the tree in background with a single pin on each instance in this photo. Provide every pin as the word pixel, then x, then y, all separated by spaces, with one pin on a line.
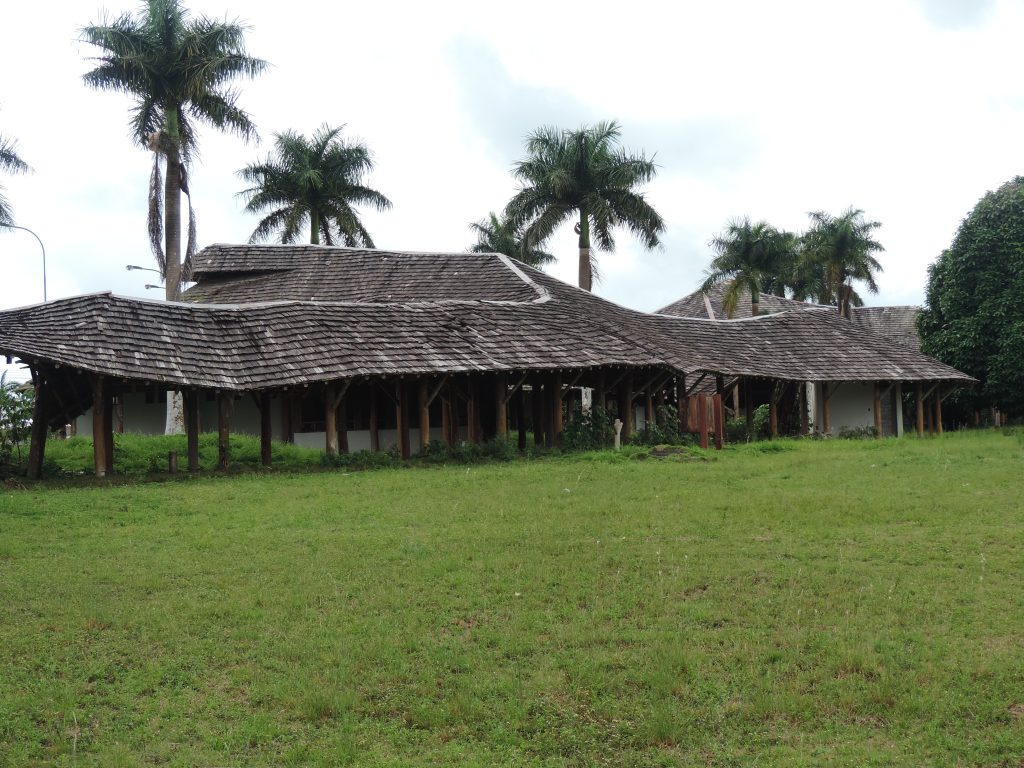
pixel 495 235
pixel 178 70
pixel 583 173
pixel 314 181
pixel 16 402
pixel 974 315
pixel 10 162
pixel 753 257
pixel 835 251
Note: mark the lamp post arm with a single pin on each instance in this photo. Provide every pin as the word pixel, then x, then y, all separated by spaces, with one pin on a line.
pixel 41 246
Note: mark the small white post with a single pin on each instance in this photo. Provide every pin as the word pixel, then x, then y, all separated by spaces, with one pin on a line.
pixel 618 433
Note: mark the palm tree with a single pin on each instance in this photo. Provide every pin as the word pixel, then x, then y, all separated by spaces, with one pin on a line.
pixel 584 173
pixel 494 235
pixel 836 251
pixel 178 70
pixel 11 163
pixel 316 180
pixel 753 257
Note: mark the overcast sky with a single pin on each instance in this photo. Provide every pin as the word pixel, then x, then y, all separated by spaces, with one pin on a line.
pixel 908 109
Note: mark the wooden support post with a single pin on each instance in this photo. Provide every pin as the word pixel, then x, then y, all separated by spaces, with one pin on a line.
pixel 938 411
pixel 878 409
pixel 501 404
pixel 374 422
pixel 555 409
pixel 342 417
pixel 626 406
pixel 447 433
pixel 402 421
pixel 423 401
pixel 224 403
pixel 521 418
pixel 99 442
pixel 456 416
pixel 718 414
pixel 266 433
pixel 702 421
pixel 190 400
pixel 826 416
pixel 736 399
pixel 805 425
pixel 537 408
pixel 773 411
pixel 108 429
pixel 929 411
pixel 750 409
pixel 331 419
pixel 648 412
pixel 40 416
pixel 919 401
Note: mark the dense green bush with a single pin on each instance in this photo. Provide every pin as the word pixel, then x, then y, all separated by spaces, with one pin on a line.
pixel 588 430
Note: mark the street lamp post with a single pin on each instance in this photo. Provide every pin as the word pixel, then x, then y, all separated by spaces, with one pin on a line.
pixel 43 247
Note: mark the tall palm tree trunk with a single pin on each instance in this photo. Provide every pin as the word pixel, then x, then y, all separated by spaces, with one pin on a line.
pixel 585 273
pixel 314 226
pixel 172 209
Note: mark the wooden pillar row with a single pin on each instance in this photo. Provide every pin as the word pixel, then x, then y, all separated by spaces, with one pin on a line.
pixel 331 419
pixel 938 411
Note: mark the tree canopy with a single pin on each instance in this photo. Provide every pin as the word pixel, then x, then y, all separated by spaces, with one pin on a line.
pixel 315 182
pixel 495 235
pixel 178 70
pixel 974 314
pixel 754 257
pixel 10 162
pixel 583 173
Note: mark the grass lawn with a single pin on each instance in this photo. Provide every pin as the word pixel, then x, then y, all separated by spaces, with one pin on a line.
pixel 792 603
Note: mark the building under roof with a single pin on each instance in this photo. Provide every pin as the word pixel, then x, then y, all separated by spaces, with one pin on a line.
pixel 366 348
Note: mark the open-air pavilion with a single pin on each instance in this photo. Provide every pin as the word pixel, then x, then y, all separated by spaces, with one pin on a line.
pixel 367 349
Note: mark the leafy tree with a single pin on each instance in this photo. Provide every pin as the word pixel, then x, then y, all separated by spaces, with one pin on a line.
pixel 495 235
pixel 835 251
pixel 178 70
pixel 315 181
pixel 974 317
pixel 753 257
pixel 16 403
pixel 10 162
pixel 583 173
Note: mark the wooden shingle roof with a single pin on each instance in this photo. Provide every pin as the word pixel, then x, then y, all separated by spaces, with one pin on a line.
pixel 440 313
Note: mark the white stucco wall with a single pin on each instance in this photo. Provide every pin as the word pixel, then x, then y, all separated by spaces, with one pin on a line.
pixel 149 418
pixel 852 406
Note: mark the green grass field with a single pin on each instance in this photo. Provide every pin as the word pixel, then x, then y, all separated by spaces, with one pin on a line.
pixel 789 603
